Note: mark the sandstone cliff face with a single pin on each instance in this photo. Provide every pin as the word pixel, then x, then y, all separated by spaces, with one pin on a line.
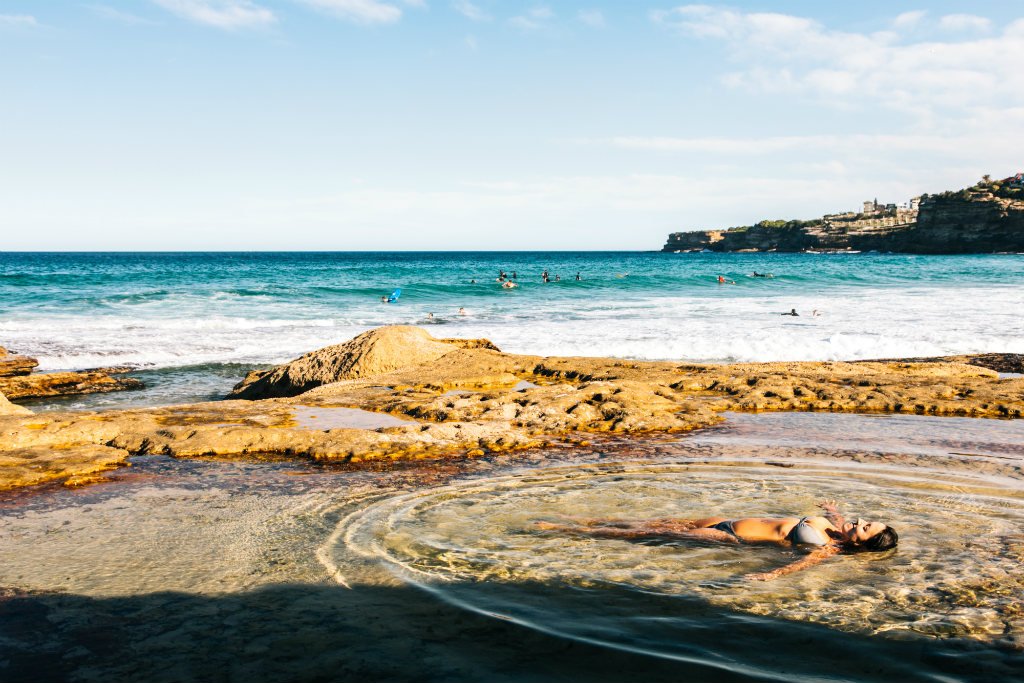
pixel 945 225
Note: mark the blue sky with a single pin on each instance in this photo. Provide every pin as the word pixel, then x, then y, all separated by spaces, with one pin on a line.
pixel 451 124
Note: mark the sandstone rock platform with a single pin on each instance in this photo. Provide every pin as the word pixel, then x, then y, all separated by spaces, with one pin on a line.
pixel 466 398
pixel 17 381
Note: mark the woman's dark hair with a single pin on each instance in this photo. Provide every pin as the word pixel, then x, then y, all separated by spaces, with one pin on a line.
pixel 884 540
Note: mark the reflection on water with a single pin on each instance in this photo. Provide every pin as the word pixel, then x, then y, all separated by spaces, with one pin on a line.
pixel 212 570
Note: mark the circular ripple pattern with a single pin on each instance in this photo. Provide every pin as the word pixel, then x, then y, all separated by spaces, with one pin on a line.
pixel 954 579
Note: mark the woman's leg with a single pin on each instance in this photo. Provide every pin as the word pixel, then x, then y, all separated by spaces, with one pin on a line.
pixel 650 528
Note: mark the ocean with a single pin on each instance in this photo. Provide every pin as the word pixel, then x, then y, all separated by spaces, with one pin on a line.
pixel 193 323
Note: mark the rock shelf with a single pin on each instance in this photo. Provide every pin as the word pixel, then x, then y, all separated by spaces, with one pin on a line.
pixel 466 398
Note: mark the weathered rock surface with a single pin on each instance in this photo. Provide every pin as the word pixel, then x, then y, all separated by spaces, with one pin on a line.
pixel 8 408
pixel 12 365
pixel 47 384
pixel 1000 362
pixel 372 353
pixel 471 401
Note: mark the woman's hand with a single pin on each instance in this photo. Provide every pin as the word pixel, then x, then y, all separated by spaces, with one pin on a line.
pixel 829 505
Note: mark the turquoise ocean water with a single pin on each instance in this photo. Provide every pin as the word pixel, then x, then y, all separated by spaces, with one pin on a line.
pixel 192 323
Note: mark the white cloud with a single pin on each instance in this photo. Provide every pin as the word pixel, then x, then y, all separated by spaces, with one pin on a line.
pixel 591 17
pixel 226 14
pixel 964 142
pixel 117 15
pixel 909 19
pixel 788 54
pixel 18 20
pixel 964 22
pixel 471 43
pixel 534 19
pixel 359 11
pixel 470 11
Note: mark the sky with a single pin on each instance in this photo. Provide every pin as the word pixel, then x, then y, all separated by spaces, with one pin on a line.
pixel 486 124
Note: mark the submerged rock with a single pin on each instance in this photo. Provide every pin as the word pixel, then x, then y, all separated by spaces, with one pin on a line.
pixel 376 352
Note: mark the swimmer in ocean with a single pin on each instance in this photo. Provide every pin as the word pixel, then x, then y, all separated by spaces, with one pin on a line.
pixel 826 536
pixel 792 312
pixel 508 284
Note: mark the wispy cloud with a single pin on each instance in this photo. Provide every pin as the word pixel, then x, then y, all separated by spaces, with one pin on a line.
pixel 965 144
pixel 117 15
pixel 789 54
pixel 964 22
pixel 591 17
pixel 909 19
pixel 534 18
pixel 363 11
pixel 225 14
pixel 23 20
pixel 470 11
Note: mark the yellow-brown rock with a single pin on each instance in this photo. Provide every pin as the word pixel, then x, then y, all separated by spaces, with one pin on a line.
pixel 372 353
pixel 470 399
pixel 12 365
pixel 49 384
pixel 8 408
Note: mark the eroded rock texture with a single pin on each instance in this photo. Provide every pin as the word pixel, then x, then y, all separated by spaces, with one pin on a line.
pixel 467 398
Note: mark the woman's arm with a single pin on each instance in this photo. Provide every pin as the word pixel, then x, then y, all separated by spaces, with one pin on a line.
pixel 832 513
pixel 814 558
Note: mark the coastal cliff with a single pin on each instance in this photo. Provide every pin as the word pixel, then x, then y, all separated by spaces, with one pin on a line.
pixel 986 218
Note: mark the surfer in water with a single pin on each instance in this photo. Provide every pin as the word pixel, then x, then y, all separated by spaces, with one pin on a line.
pixel 723 281
pixel 825 536
pixel 792 312
pixel 508 284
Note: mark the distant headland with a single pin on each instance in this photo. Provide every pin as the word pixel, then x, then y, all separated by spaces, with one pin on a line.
pixel 985 218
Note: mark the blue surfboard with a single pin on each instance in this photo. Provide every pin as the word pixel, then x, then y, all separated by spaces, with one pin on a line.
pixel 394 296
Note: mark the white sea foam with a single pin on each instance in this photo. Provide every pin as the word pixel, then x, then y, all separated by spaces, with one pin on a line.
pixel 854 324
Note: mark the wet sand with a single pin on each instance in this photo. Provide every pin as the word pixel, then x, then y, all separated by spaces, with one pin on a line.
pixel 264 570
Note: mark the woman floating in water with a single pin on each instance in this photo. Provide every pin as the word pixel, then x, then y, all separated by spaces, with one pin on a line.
pixel 828 535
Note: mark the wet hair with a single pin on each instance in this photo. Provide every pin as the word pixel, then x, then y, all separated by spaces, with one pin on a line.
pixel 885 539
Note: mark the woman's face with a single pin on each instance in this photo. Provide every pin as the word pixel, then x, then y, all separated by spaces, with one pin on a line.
pixel 861 530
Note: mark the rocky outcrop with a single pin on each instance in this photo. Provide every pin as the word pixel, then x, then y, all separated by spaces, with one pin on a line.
pixel 50 384
pixel 8 408
pixel 18 382
pixel 13 366
pixel 1000 362
pixel 473 401
pixel 372 353
pixel 959 223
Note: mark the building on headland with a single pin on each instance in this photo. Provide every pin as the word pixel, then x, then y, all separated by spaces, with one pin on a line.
pixel 874 215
